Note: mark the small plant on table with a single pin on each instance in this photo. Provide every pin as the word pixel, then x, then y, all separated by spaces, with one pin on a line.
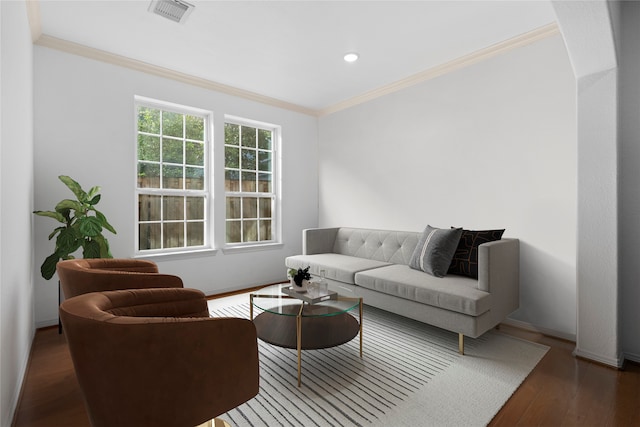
pixel 299 275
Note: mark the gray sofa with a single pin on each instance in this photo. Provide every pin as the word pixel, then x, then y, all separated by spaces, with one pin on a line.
pixel 373 264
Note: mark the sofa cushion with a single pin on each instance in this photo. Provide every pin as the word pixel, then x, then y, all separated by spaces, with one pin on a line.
pixel 465 258
pixel 337 267
pixel 435 250
pixel 455 293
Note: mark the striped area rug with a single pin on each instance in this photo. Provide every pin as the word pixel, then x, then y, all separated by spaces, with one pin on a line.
pixel 410 375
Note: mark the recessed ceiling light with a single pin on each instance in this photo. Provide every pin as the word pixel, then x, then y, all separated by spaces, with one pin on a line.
pixel 351 57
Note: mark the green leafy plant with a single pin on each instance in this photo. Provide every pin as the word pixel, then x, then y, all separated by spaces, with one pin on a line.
pixel 82 227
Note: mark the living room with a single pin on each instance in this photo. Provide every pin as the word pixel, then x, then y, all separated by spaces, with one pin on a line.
pixel 520 140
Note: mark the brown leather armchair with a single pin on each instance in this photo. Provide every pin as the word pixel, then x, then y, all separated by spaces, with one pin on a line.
pixel 154 357
pixel 81 276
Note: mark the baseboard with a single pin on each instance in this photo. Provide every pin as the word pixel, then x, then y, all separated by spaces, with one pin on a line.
pixel 10 415
pixel 609 361
pixel 545 331
pixel 632 357
pixel 47 323
pixel 613 362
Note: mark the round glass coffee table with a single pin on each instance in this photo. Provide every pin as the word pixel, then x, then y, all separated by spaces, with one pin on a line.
pixel 288 321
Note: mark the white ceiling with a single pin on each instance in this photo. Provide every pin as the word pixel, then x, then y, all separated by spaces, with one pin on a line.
pixel 292 50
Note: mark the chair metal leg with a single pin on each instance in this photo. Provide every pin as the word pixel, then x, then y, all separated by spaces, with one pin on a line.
pixel 59 302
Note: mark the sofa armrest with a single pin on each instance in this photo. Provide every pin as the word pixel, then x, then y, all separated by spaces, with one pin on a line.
pixel 499 274
pixel 318 240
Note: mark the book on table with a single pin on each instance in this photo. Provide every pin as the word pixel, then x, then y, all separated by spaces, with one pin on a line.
pixel 313 295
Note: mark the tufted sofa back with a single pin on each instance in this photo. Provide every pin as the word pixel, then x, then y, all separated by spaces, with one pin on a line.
pixel 380 245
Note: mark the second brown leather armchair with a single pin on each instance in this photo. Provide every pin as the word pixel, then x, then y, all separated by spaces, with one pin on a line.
pixel 81 276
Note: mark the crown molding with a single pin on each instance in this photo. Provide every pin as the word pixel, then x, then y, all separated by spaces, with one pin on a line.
pixel 33 15
pixel 40 39
pixel 122 61
pixel 448 67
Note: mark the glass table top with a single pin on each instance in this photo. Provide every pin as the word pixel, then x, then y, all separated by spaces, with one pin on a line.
pixel 273 300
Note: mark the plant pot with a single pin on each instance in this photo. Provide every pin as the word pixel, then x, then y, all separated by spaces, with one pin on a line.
pixel 301 288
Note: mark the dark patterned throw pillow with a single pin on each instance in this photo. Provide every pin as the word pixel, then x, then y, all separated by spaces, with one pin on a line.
pixel 465 259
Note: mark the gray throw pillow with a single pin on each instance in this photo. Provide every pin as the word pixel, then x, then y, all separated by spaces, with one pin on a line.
pixel 435 250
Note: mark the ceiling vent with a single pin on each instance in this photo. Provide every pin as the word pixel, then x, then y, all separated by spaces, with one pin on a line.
pixel 175 10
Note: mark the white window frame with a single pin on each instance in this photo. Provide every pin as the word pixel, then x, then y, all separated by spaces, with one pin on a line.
pixel 206 192
pixel 274 195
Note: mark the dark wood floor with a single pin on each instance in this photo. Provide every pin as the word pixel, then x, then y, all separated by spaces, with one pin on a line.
pixel 561 391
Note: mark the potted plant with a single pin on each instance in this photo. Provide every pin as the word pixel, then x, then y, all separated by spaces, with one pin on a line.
pixel 299 278
pixel 82 226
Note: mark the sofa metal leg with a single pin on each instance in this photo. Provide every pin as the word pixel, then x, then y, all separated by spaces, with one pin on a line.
pixel 461 344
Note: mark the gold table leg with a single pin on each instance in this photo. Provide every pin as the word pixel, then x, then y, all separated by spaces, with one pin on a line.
pixel 216 422
pixel 360 328
pixel 299 342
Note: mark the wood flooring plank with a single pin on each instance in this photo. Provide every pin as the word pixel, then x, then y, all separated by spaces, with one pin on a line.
pixel 594 397
pixel 555 378
pixel 625 410
pixel 51 395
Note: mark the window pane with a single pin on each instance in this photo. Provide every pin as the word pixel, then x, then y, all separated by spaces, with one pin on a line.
pixel 171 151
pixel 149 236
pixel 232 181
pixel 148 120
pixel 149 148
pixel 148 175
pixel 195 153
pixel 173 207
pixel 234 233
pixel 249 181
pixel 195 233
pixel 250 231
pixel 264 139
pixel 172 124
pixel 248 137
pixel 265 207
pixel 249 172
pixel 171 160
pixel 249 159
pixel 265 230
pixel 264 182
pixel 149 208
pixel 231 134
pixel 249 207
pixel 195 178
pixel 231 157
pixel 195 127
pixel 195 207
pixel 172 177
pixel 264 161
pixel 173 235
pixel 233 208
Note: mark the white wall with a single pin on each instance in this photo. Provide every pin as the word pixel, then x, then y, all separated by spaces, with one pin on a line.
pixel 16 203
pixel 491 145
pixel 587 30
pixel 84 114
pixel 630 178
